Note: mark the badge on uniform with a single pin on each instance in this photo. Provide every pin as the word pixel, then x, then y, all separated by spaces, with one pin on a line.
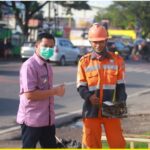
pixel 111 61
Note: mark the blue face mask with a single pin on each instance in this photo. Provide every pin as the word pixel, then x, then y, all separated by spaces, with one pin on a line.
pixel 46 52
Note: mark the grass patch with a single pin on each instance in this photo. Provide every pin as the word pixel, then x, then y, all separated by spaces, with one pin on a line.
pixel 136 145
pixel 147 133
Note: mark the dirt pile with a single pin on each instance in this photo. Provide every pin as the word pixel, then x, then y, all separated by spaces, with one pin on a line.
pixel 137 124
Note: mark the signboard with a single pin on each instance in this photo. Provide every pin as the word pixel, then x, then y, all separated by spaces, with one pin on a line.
pixel 77 38
pixel 129 33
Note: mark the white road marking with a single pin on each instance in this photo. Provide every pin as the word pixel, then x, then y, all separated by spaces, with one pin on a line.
pixel 139 70
pixel 66 83
pixel 139 93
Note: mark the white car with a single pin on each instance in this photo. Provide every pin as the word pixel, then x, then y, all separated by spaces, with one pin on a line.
pixel 27 50
pixel 64 51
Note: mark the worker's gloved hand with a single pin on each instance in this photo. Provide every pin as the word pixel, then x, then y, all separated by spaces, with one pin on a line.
pixel 94 99
pixel 121 108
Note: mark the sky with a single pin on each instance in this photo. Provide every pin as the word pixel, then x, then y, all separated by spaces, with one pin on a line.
pixel 100 3
pixel 89 15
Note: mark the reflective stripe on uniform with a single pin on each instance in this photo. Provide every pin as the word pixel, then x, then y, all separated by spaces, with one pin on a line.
pixel 110 67
pixel 93 88
pixel 120 81
pixel 92 68
pixel 81 84
pixel 109 87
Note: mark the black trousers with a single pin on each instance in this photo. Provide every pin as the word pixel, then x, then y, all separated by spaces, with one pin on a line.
pixel 44 135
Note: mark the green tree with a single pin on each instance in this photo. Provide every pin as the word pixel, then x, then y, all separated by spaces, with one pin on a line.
pixel 23 11
pixel 141 13
pixel 128 14
pixel 117 15
pixel 69 5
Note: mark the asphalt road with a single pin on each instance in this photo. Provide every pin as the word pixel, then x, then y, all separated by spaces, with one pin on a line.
pixel 137 81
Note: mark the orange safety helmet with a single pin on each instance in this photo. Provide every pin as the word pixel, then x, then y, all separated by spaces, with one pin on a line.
pixel 97 33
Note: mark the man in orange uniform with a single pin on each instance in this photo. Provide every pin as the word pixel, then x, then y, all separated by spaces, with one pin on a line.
pixel 100 78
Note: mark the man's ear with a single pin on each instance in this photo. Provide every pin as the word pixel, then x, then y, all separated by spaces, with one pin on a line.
pixel 37 47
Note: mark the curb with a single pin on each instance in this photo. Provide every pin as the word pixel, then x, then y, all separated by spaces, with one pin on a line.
pixel 10 59
pixel 68 118
pixel 60 121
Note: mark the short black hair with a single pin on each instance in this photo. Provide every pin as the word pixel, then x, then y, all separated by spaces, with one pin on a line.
pixel 45 35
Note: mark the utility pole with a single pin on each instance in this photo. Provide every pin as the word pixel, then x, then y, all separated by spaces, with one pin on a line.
pixel 55 17
pixel 69 20
pixel 49 11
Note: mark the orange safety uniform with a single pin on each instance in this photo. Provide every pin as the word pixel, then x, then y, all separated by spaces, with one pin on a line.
pixel 106 78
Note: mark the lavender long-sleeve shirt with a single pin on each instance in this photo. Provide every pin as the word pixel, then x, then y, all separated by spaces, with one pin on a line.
pixel 35 75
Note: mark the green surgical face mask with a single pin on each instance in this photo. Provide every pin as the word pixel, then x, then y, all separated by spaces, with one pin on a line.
pixel 46 52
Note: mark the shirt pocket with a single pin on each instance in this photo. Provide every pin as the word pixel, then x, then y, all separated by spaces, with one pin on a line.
pixel 111 76
pixel 43 82
pixel 92 78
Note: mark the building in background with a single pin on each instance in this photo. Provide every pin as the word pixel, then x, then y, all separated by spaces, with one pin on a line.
pixel 78 18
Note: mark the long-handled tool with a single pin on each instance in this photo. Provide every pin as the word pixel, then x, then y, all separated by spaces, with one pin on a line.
pixel 60 141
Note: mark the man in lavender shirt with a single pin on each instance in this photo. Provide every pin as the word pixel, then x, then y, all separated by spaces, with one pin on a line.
pixel 36 108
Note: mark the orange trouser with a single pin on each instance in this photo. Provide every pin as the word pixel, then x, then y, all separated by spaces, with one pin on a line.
pixel 92 132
